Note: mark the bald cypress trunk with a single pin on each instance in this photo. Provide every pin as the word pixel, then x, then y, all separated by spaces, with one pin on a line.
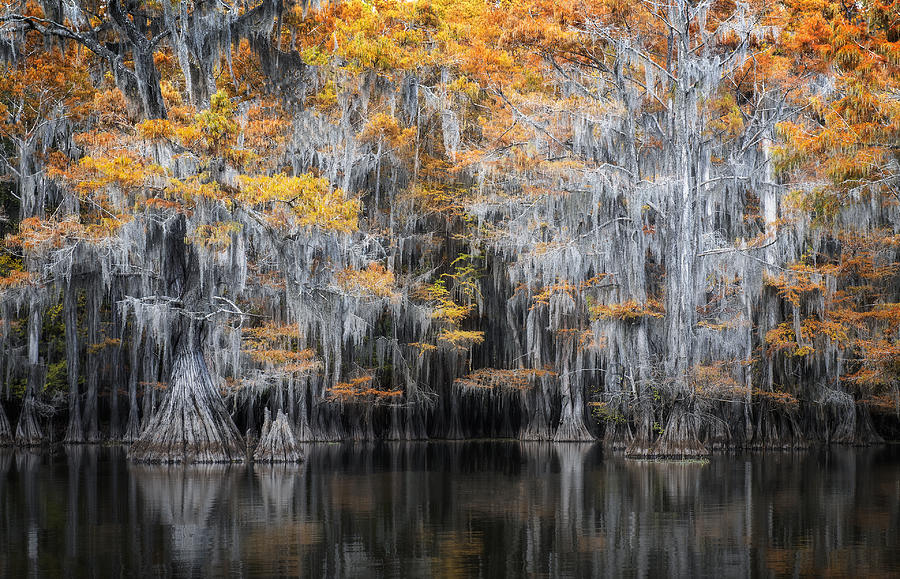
pixel 133 426
pixel 192 423
pixel 28 429
pixel 6 434
pixel 75 430
pixel 92 371
pixel 277 442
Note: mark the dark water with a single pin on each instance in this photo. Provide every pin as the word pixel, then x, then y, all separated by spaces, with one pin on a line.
pixel 489 509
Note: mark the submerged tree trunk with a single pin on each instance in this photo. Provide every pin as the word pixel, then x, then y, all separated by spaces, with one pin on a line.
pixel 28 430
pixel 192 423
pixel 277 442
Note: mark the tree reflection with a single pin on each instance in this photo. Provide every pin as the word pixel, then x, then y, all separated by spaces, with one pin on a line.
pixel 489 509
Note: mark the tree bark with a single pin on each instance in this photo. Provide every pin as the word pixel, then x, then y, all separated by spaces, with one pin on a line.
pixel 75 429
pixel 192 423
pixel 277 442
pixel 28 430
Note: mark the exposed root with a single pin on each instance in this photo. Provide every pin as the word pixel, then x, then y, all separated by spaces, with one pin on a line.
pixel 277 442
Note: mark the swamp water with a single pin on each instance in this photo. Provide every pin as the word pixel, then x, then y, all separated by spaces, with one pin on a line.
pixel 446 509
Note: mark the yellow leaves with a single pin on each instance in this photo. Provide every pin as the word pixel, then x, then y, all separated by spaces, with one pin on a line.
pixel 628 311
pixel 375 280
pixel 215 237
pixel 460 339
pixel 155 129
pixel 217 125
pixel 727 117
pixel 311 200
pixel 422 347
pixel 386 129
pixel 445 308
pixel 326 99
pixel 123 171
pixel 275 346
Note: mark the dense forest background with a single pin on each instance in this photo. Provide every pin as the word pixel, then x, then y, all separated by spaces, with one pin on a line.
pixel 670 225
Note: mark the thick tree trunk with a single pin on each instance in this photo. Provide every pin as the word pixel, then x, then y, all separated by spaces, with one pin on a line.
pixel 681 436
pixel 28 430
pixel 6 434
pixel 192 423
pixel 277 442
pixel 141 85
pixel 133 426
pixel 74 430
pixel 571 421
pixel 92 374
pixel 536 404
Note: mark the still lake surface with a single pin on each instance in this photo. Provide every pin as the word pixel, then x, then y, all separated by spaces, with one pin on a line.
pixel 448 509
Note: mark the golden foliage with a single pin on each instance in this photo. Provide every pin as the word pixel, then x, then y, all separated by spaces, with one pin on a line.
pixel 628 311
pixel 360 389
pixel 375 280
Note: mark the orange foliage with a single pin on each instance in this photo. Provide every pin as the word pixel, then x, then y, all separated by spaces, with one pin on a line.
pixel 374 280
pixel 628 311
pixel 498 378
pixel 358 390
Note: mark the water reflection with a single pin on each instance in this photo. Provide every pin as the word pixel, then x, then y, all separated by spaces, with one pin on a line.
pixel 489 509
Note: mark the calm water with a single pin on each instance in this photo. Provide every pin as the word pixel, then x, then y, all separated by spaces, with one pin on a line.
pixel 489 509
